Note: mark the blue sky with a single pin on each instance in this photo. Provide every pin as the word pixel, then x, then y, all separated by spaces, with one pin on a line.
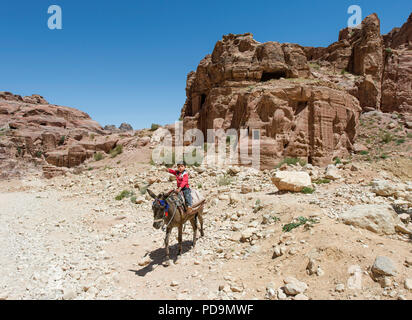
pixel 127 60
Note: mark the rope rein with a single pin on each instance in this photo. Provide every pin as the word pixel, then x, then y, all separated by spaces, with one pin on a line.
pixel 170 221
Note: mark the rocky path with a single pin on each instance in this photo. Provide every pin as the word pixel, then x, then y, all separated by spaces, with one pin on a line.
pixel 68 238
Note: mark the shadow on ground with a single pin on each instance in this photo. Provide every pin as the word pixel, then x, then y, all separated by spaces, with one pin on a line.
pixel 158 257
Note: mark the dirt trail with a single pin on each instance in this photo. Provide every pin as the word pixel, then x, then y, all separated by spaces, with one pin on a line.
pixel 69 239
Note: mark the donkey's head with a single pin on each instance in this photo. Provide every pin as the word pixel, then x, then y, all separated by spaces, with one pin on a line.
pixel 159 208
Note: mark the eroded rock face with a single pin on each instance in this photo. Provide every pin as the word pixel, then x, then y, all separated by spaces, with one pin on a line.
pixel 270 86
pixel 243 85
pixel 397 76
pixel 382 63
pixel 33 130
pixel 359 51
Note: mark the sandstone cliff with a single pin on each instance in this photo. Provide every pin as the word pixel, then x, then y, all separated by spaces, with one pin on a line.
pixel 306 101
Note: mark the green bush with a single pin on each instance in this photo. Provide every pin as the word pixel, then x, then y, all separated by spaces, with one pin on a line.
pixel 308 190
pixel 364 153
pixel 154 127
pixel 321 181
pixel 387 137
pixel 400 141
pixel 116 151
pixel 39 154
pixel 301 221
pixel 291 161
pixel 98 156
pixel 62 139
pixel 124 194
pixel 337 160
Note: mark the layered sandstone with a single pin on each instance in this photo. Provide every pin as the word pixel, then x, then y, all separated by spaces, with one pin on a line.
pixel 34 130
pixel 300 111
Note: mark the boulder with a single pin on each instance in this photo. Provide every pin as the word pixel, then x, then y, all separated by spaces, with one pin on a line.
pixel 291 180
pixel 294 287
pixel 386 188
pixel 378 218
pixel 383 266
pixel 332 172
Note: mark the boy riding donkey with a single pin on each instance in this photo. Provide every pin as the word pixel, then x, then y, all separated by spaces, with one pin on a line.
pixel 182 178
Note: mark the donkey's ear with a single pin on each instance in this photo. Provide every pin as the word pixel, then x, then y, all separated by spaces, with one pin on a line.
pixel 151 194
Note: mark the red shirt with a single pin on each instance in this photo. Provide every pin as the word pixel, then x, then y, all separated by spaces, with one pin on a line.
pixel 182 178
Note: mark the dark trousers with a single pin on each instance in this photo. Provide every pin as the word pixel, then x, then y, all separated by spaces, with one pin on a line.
pixel 188 196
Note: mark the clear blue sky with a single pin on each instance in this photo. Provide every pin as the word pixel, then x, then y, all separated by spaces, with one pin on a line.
pixel 127 60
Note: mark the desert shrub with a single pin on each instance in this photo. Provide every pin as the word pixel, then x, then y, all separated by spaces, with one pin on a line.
pixel 337 160
pixel 258 206
pixel 98 156
pixel 3 131
pixel 308 190
pixel 154 127
pixel 321 181
pixel 400 141
pixel 291 161
pixel 62 139
pixel 116 151
pixel 384 156
pixel 314 66
pixel 39 154
pixel 364 153
pixel 274 218
pixel 199 186
pixel 301 221
pixel 133 199
pixel 389 51
pixel 124 194
pixel 386 137
pixel 143 189
pixel 225 180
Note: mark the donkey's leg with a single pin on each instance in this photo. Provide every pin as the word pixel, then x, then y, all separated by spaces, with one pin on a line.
pixel 168 231
pixel 180 228
pixel 194 226
pixel 201 223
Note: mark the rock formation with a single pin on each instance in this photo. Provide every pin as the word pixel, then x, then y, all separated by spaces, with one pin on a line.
pixel 124 127
pixel 32 129
pixel 305 112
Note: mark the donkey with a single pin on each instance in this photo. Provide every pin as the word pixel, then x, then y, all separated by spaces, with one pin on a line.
pixel 168 213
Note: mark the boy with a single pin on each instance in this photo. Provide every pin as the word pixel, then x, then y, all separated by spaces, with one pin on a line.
pixel 183 184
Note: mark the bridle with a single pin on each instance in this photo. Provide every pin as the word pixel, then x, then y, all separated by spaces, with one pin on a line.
pixel 165 206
